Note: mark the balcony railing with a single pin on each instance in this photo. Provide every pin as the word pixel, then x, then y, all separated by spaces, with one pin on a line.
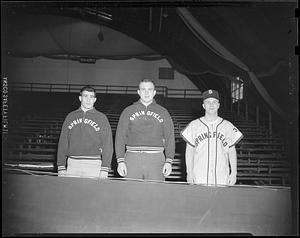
pixel 49 87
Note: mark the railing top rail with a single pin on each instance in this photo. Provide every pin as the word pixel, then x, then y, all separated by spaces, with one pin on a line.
pixel 63 87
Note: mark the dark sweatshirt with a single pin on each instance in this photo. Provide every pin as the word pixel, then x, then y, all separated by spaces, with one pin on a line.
pixel 85 134
pixel 141 126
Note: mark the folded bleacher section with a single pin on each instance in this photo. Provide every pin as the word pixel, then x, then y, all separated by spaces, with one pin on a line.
pixel 35 120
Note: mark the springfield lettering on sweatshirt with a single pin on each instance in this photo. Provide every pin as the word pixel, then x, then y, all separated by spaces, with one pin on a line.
pixel 149 113
pixel 85 121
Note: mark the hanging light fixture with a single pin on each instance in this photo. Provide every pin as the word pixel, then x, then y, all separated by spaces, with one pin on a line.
pixel 100 34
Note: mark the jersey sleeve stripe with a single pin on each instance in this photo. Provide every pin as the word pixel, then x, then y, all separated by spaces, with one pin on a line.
pixel 237 141
pixel 186 140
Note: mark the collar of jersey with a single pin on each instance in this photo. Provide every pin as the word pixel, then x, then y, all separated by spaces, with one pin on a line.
pixel 140 103
pixel 93 110
pixel 209 123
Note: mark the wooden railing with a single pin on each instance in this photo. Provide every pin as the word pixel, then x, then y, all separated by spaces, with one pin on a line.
pixel 50 87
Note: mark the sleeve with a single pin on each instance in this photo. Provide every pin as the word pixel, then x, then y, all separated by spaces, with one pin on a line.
pixel 121 136
pixel 62 149
pixel 234 134
pixel 107 148
pixel 169 138
pixel 187 134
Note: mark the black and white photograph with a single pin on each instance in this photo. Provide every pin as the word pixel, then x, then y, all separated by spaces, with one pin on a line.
pixel 153 118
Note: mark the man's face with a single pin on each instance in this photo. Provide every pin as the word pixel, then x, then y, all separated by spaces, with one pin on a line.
pixel 87 99
pixel 211 105
pixel 146 92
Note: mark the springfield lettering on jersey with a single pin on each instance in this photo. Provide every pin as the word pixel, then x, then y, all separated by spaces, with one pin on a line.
pixel 148 113
pixel 210 134
pixel 85 121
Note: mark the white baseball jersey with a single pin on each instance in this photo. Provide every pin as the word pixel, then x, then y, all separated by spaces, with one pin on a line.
pixel 208 154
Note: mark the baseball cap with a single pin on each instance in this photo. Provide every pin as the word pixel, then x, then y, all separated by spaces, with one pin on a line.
pixel 210 94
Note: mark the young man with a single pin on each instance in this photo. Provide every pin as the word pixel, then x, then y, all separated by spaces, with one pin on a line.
pixel 144 133
pixel 85 145
pixel 210 146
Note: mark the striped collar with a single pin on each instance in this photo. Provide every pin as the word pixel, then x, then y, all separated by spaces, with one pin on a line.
pixel 218 120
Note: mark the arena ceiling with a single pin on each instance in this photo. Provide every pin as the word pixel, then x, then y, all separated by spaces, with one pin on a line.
pixel 210 42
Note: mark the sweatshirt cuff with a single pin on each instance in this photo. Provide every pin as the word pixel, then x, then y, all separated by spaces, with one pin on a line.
pixel 61 167
pixel 104 168
pixel 169 160
pixel 119 160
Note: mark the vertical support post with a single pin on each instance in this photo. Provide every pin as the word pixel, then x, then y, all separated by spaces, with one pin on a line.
pixel 246 111
pixel 150 19
pixel 270 123
pixel 160 19
pixel 257 115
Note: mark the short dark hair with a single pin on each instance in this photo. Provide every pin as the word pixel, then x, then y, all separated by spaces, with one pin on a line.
pixel 89 89
pixel 147 81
